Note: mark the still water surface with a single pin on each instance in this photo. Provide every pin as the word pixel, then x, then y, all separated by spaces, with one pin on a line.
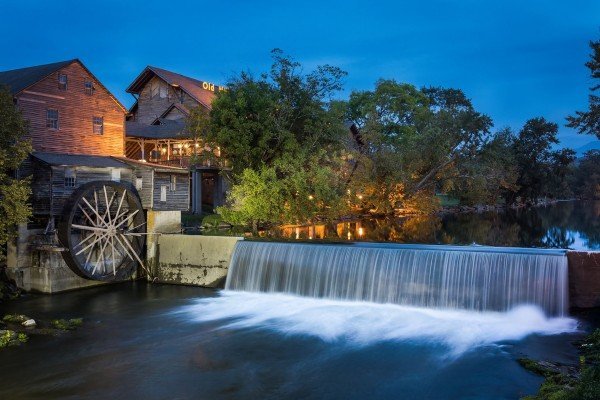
pixel 144 341
pixel 565 225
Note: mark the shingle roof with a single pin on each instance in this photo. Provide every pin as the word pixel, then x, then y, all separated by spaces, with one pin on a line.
pixel 191 86
pixel 79 160
pixel 171 130
pixel 21 78
pixel 156 167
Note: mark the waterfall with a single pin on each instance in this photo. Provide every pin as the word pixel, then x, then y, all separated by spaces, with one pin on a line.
pixel 464 277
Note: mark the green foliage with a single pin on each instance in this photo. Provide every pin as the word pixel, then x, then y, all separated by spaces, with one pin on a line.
pixel 558 386
pixel 14 193
pixel 282 133
pixel 542 171
pixel 412 142
pixel 586 176
pixel 260 120
pixel 11 338
pixel 66 324
pixel 588 122
pixel 15 318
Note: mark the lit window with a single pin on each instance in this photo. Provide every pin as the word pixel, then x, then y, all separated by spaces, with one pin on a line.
pixel 173 183
pixel 62 81
pixel 52 118
pixel 69 178
pixel 89 88
pixel 163 193
pixel 98 123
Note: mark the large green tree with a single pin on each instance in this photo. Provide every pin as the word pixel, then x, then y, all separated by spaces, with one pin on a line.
pixel 412 143
pixel 282 132
pixel 589 121
pixel 586 177
pixel 542 171
pixel 14 192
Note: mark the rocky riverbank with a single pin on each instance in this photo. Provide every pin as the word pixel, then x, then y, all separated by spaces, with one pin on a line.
pixel 564 382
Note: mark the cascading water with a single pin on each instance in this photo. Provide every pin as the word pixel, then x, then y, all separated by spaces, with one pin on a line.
pixel 472 278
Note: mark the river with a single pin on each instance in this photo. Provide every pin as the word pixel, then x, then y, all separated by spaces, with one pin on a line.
pixel 150 341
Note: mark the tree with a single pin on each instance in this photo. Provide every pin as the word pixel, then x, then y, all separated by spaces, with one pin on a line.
pixel 414 139
pixel 542 171
pixel 588 122
pixel 14 192
pixel 258 121
pixel 586 177
pixel 490 174
pixel 282 133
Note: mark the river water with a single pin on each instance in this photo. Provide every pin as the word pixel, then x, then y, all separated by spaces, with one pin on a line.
pixel 150 341
pixel 565 225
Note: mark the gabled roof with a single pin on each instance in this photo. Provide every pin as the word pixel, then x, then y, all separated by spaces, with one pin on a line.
pixel 20 79
pixel 171 130
pixel 184 110
pixel 78 160
pixel 191 86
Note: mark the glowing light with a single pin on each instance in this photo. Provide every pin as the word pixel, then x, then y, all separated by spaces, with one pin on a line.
pixel 360 196
pixel 361 232
pixel 311 197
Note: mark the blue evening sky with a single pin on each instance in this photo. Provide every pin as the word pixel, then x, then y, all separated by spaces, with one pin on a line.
pixel 514 59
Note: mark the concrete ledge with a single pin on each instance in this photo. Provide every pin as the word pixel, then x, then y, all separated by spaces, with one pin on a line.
pixel 194 259
pixel 584 279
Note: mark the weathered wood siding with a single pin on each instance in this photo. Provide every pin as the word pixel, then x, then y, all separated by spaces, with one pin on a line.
pixel 177 200
pixel 76 110
pixel 146 191
pixel 83 175
pixel 151 107
pixel 41 188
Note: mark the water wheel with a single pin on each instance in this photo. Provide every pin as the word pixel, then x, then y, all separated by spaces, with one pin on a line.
pixel 103 229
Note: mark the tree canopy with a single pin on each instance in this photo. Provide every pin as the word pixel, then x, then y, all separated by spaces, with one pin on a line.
pixel 589 121
pixel 14 193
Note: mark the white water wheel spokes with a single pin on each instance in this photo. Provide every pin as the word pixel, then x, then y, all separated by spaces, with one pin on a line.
pixel 104 231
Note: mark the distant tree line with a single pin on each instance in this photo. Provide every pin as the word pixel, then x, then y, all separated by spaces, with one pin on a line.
pixel 299 154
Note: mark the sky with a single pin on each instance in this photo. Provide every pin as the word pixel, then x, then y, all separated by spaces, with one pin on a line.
pixel 514 59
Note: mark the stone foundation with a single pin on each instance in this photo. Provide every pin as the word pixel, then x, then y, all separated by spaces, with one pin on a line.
pixel 40 268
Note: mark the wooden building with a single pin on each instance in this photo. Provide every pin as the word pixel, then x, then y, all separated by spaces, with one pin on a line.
pixel 156 131
pixel 82 182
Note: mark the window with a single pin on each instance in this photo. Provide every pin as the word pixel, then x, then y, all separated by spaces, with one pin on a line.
pixel 89 87
pixel 98 123
pixel 154 89
pixel 62 81
pixel 139 183
pixel 163 193
pixel 52 118
pixel 173 183
pixel 70 178
pixel 163 91
pixel 115 175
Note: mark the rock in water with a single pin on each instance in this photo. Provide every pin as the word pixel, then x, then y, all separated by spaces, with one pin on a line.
pixel 29 323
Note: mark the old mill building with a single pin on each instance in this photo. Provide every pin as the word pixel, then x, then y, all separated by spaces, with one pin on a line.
pixel 93 158
pixel 156 131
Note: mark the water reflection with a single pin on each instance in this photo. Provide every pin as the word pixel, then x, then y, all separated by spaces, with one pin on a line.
pixel 572 225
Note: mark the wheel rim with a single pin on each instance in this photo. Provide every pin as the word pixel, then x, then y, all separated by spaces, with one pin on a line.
pixel 104 231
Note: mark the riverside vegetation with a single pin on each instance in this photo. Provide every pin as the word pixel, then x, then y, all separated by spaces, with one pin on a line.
pixel 15 329
pixel 570 383
pixel 295 160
